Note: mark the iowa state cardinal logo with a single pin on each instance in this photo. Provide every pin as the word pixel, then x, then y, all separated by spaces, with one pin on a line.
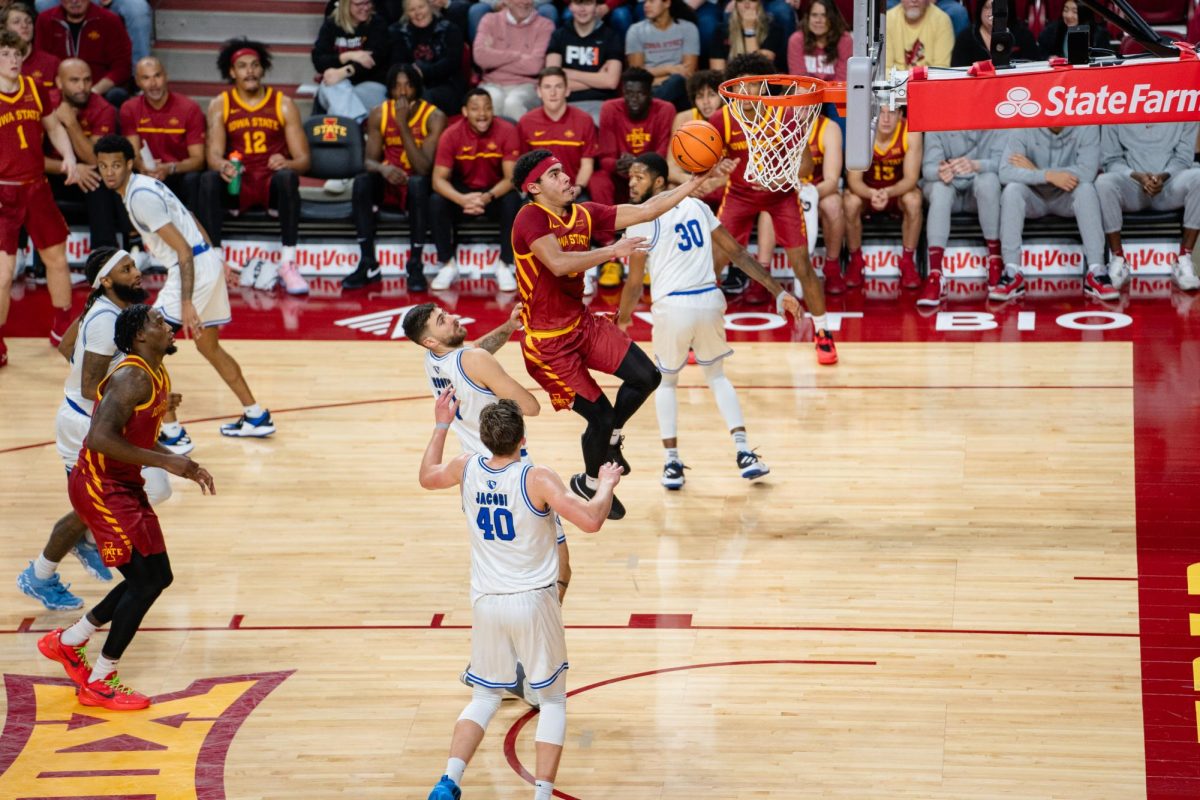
pixel 175 749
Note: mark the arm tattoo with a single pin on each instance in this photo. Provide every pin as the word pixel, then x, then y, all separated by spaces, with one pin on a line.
pixel 496 339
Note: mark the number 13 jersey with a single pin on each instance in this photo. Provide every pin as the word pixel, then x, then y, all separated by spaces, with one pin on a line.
pixel 513 544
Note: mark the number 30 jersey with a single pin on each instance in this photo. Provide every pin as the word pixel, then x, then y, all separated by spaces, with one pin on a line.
pixel 680 260
pixel 513 545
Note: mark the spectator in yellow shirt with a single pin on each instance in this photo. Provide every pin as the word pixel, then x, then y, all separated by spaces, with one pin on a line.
pixel 918 34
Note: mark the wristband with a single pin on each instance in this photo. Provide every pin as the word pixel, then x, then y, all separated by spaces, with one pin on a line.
pixel 442 426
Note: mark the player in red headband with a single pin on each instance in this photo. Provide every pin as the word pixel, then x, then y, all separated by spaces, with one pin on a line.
pixel 551 241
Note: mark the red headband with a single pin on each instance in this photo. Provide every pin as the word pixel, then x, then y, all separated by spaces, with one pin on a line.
pixel 542 167
pixel 245 51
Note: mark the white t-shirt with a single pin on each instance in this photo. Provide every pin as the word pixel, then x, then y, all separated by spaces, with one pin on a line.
pixel 513 545
pixel 151 205
pixel 680 260
pixel 96 331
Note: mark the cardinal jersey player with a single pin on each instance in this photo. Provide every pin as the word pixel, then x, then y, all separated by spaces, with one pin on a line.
pixel 887 163
pixel 257 132
pixel 25 196
pixel 393 144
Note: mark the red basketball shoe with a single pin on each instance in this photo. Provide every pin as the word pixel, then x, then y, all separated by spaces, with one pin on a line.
pixel 58 328
pixel 110 693
pixel 931 295
pixel 826 351
pixel 854 269
pixel 73 659
pixel 995 270
pixel 834 282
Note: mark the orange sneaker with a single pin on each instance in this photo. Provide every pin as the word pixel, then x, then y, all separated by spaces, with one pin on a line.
pixel 826 352
pixel 110 693
pixel 73 659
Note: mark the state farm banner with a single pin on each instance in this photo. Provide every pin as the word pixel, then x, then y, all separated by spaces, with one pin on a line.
pixel 1163 90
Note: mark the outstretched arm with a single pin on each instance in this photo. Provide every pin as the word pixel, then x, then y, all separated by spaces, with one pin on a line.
pixel 728 249
pixel 435 474
pixel 663 202
pixel 495 339
pixel 547 489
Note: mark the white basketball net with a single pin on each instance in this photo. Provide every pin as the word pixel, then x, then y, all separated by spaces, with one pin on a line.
pixel 776 135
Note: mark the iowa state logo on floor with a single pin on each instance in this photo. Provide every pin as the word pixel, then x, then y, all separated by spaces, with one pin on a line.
pixel 54 747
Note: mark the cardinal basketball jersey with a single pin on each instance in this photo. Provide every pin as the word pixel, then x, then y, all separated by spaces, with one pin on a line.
pixel 141 430
pixel 513 544
pixel 393 142
pixel 887 161
pixel 21 159
pixel 447 371
pixel 257 131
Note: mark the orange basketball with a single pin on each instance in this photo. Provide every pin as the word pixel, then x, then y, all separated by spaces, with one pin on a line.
pixel 697 146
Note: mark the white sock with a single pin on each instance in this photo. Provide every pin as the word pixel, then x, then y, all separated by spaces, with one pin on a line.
pixel 455 767
pixel 102 668
pixel 673 454
pixel 43 568
pixel 740 443
pixel 819 323
pixel 543 790
pixel 254 411
pixel 289 255
pixel 78 633
pixel 172 429
pixel 616 436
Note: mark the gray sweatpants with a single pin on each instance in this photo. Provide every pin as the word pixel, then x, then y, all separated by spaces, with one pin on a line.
pixel 1019 202
pixel 1120 193
pixel 982 196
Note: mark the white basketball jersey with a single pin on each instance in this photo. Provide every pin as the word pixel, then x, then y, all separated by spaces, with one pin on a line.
pixel 151 205
pixel 96 331
pixel 680 260
pixel 446 371
pixel 513 545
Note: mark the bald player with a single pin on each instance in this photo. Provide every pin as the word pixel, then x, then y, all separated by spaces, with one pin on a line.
pixel 171 126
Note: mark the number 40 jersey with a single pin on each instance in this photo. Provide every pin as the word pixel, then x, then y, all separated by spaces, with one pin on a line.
pixel 513 545
pixel 680 260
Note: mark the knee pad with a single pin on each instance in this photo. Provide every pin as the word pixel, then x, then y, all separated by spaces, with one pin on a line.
pixel 552 713
pixel 484 704
pixel 158 485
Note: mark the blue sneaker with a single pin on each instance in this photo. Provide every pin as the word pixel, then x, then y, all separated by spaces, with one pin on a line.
pixel 180 445
pixel 51 592
pixel 445 789
pixel 751 466
pixel 254 428
pixel 89 556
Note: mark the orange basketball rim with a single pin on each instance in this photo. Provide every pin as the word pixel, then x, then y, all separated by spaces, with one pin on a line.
pixel 789 91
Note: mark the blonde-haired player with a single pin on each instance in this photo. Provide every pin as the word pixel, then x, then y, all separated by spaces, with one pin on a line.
pixel 688 307
pixel 515 614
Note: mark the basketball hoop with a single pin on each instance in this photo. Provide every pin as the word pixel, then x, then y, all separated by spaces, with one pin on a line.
pixel 777 113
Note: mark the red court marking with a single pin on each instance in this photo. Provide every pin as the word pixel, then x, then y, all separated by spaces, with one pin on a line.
pixel 98 773
pixel 26 625
pixel 236 621
pixel 1101 578
pixel 510 738
pixel 436 622
pixel 745 388
pixel 661 621
pixel 1166 424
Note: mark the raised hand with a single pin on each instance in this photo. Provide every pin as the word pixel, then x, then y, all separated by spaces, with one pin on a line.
pixel 630 245
pixel 446 406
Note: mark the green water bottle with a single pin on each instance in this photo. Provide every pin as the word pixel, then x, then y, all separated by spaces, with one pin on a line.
pixel 235 185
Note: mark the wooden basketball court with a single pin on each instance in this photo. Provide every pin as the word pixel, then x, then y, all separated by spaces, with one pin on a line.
pixel 933 595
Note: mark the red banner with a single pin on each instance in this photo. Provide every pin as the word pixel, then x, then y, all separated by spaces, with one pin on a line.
pixel 1163 90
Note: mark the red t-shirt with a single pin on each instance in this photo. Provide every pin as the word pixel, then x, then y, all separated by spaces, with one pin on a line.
pixel 620 134
pixel 42 67
pixel 169 130
pixel 475 159
pixel 102 41
pixel 571 139
pixel 21 134
pixel 97 118
pixel 554 302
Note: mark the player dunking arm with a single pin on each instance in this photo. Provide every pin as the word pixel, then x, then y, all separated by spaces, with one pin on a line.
pixel 25 197
pixel 195 296
pixel 688 307
pixel 552 239
pixel 515 614
pixel 89 347
pixel 744 201
pixel 106 492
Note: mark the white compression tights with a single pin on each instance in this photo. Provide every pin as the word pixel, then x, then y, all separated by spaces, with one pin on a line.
pixel 483 706
pixel 666 401
pixel 552 714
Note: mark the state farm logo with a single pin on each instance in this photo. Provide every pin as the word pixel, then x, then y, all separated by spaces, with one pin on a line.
pixel 1018 104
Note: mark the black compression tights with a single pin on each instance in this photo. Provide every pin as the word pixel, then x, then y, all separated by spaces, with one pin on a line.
pixel 639 379
pixel 128 602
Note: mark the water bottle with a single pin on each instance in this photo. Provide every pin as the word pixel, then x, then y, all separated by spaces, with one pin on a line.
pixel 235 185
